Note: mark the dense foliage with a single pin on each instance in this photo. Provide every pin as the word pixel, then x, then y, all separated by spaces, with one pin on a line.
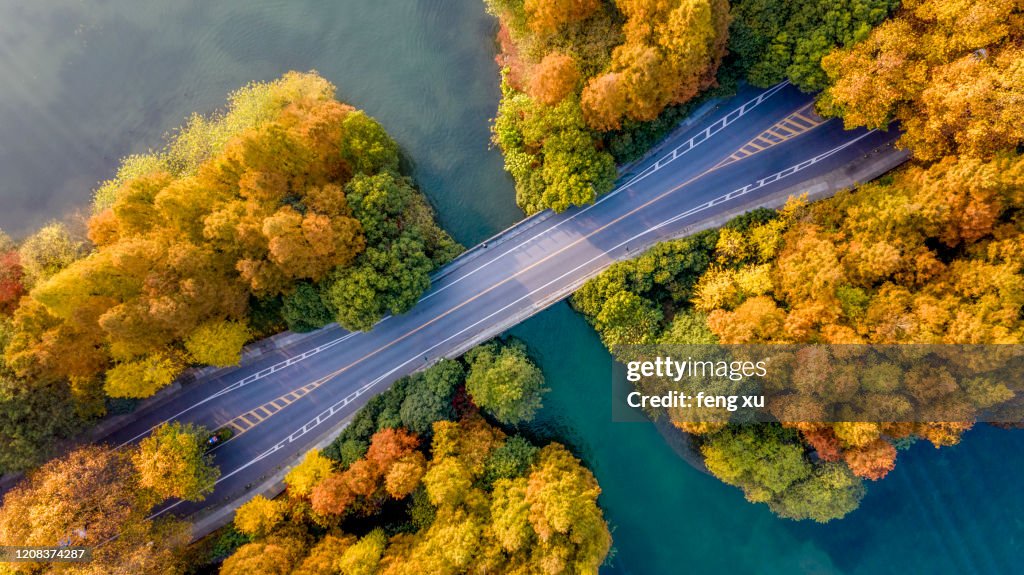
pixel 431 487
pixel 102 498
pixel 588 84
pixel 288 208
pixel 32 417
pixel 173 461
pixel 470 500
pixel 930 254
pixel 949 72
pixel 504 382
pixel 775 40
pixel 576 73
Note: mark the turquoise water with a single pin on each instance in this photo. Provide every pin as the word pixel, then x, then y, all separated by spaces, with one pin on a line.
pixel 88 81
pixel 954 510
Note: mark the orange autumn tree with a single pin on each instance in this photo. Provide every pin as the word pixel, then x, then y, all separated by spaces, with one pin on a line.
pixel 546 16
pixel 576 71
pixel 554 78
pixel 949 72
pixel 671 52
pixel 370 479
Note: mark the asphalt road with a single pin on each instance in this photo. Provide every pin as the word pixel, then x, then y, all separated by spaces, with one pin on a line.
pixel 754 144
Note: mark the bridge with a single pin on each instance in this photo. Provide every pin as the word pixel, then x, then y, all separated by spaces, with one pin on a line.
pixel 752 150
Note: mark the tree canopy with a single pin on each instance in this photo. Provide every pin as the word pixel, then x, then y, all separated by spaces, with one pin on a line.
pixel 473 499
pixel 173 462
pixel 504 382
pixel 948 72
pixel 93 497
pixel 671 52
pixel 773 40
pixel 575 71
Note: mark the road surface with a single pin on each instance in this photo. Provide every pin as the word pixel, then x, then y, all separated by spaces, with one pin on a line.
pixel 754 144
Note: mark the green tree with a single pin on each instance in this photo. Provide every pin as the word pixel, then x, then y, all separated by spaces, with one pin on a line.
pixel 382 281
pixel 304 309
pixel 505 382
pixel 575 172
pixel 772 41
pixel 173 462
pixel 32 418
pixel 831 492
pixel 366 147
pixel 550 153
pixel 421 408
pixel 628 319
pixel 763 460
pixel 428 396
pixel 378 202
pixel 511 460
pixel 689 328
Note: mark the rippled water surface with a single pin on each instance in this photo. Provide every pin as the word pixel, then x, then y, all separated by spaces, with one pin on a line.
pixel 84 82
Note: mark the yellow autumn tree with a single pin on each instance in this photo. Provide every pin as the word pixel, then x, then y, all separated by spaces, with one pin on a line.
pixel 259 516
pixel 949 72
pixel 308 474
pixel 217 343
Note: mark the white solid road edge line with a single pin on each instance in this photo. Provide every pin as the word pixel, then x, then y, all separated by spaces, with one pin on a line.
pixel 665 160
pixel 671 156
pixel 326 414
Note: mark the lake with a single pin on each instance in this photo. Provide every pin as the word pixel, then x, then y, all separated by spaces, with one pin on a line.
pixel 88 81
